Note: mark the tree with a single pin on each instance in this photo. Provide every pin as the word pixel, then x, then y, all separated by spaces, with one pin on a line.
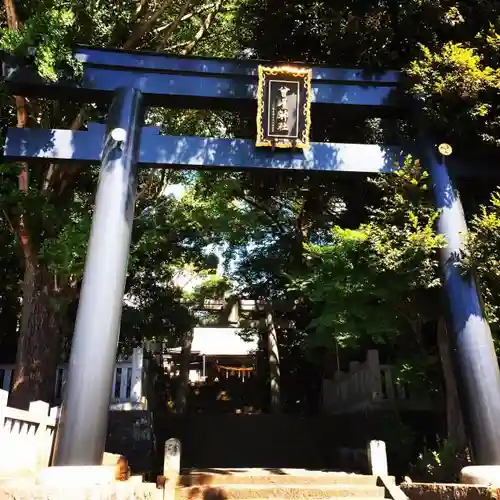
pixel 450 54
pixel 53 208
pixel 379 285
pixel 450 51
pixel 483 256
pixel 208 286
pixel 375 280
pixel 10 291
pixel 262 220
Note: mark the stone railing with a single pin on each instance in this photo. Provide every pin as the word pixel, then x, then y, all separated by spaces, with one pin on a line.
pixel 27 435
pixel 368 386
pixel 127 381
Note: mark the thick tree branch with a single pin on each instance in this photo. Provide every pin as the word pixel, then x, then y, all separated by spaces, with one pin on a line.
pixel 266 212
pixel 12 19
pixel 146 26
pixel 13 23
pixel 16 225
pixel 151 188
pixel 9 221
pixel 196 11
pixel 22 113
pixel 22 121
pixel 173 26
pixel 176 46
pixel 300 224
pixel 141 5
pixel 78 122
pixel 203 29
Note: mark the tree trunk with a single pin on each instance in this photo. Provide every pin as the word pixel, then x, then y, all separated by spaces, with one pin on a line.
pixel 38 343
pixel 9 317
pixel 454 420
pixel 274 364
pixel 183 387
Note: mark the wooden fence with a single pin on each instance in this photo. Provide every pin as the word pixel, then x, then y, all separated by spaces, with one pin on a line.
pixel 26 437
pixel 368 386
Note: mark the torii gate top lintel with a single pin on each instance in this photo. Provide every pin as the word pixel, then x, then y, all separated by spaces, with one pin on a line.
pixel 194 82
pixel 167 79
pixel 204 64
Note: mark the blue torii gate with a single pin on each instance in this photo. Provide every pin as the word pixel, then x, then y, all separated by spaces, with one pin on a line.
pixel 133 80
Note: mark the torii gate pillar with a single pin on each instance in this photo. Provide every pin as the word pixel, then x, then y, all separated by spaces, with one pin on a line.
pixel 470 335
pixel 82 430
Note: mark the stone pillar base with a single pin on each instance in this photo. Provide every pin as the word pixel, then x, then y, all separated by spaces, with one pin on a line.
pixel 486 475
pixel 77 475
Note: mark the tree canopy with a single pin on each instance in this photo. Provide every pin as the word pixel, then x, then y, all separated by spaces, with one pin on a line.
pixel 49 217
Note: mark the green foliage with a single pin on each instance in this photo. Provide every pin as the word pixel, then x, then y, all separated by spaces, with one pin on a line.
pixel 50 32
pixel 65 253
pixel 53 27
pixel 484 257
pixel 213 287
pixel 56 211
pixel 455 70
pixel 449 49
pixel 356 260
pixel 374 282
pixel 442 465
pixel 456 79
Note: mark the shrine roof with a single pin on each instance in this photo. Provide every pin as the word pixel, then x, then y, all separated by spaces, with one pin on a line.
pixel 220 342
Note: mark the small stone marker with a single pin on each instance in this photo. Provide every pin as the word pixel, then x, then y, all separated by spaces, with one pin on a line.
pixel 171 466
pixel 172 459
pixel 377 458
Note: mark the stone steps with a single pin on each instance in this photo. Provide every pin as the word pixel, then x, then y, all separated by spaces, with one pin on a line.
pixel 200 477
pixel 143 491
pixel 247 492
pixel 255 484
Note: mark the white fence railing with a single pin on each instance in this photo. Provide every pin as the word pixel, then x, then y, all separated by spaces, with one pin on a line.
pixel 127 381
pixel 26 436
pixel 369 385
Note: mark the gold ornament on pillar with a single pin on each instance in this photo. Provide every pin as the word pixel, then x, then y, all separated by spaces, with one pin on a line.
pixel 445 149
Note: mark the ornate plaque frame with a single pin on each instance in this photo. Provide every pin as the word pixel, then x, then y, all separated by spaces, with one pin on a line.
pixel 283 119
